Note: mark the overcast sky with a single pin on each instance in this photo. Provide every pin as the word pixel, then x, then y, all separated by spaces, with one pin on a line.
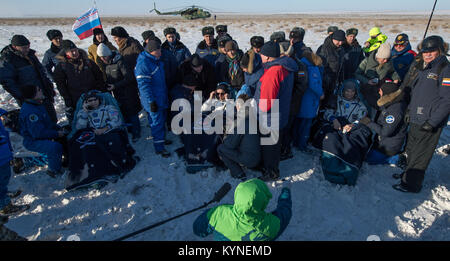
pixel 59 8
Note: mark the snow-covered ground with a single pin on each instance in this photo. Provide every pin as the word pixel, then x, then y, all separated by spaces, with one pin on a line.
pixel 160 188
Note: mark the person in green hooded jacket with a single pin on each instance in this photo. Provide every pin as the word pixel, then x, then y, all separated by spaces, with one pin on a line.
pixel 246 219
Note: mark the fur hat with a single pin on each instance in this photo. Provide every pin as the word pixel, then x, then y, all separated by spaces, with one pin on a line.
pixel 271 49
pixel 332 29
pixel 297 33
pixel 279 36
pixel 67 45
pixel 103 50
pixel 98 31
pixel 257 41
pixel 169 30
pixel 384 51
pixel 19 40
pixel 28 91
pixel 208 30
pixel 223 40
pixel 338 35
pixel 119 31
pixel 53 33
pixel 352 31
pixel 152 45
pixel 221 28
pixel 389 87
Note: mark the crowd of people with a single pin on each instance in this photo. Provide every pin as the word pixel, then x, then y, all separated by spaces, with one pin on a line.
pixel 395 100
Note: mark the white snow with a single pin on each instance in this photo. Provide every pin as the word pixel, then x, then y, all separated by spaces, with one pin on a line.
pixel 159 188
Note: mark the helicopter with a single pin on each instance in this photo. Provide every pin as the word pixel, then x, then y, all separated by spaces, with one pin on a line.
pixel 190 13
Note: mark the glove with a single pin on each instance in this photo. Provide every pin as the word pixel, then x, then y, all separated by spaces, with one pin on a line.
pixel 365 120
pixel 153 106
pixel 427 127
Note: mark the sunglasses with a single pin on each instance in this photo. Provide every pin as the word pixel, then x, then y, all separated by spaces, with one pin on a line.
pixel 220 93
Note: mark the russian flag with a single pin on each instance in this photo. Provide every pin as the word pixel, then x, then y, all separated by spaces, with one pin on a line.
pixel 85 24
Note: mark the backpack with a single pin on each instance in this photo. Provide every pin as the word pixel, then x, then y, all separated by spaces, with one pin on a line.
pixel 300 86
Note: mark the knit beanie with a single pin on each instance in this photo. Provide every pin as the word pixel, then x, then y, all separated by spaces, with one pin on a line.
pixel 152 45
pixel 119 31
pixel 389 87
pixel 53 33
pixel 384 51
pixel 28 91
pixel 103 50
pixel 339 35
pixel 271 49
pixel 19 40
pixel 147 34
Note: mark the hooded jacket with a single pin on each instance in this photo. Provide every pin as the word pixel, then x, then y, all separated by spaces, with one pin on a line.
pixel 130 49
pixel 390 126
pixel 92 54
pixel 246 219
pixel 17 70
pixel 150 77
pixel 370 68
pixel 75 77
pixel 311 98
pixel 402 60
pixel 333 60
pixel 277 83
pixel 375 43
pixel 125 85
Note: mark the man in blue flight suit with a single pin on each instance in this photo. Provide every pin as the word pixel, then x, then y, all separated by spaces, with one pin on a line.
pixel 152 87
pixel 39 132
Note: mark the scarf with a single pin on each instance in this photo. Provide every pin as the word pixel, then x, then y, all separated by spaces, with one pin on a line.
pixel 233 66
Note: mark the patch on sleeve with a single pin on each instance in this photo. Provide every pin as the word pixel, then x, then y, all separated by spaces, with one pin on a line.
pixel 446 82
pixel 390 119
pixel 301 73
pixel 33 118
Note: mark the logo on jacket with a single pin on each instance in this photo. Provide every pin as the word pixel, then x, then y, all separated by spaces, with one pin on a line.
pixel 33 118
pixel 390 119
pixel 446 82
pixel 433 76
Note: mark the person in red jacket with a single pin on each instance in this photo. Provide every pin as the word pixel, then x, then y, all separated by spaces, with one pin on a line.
pixel 275 84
